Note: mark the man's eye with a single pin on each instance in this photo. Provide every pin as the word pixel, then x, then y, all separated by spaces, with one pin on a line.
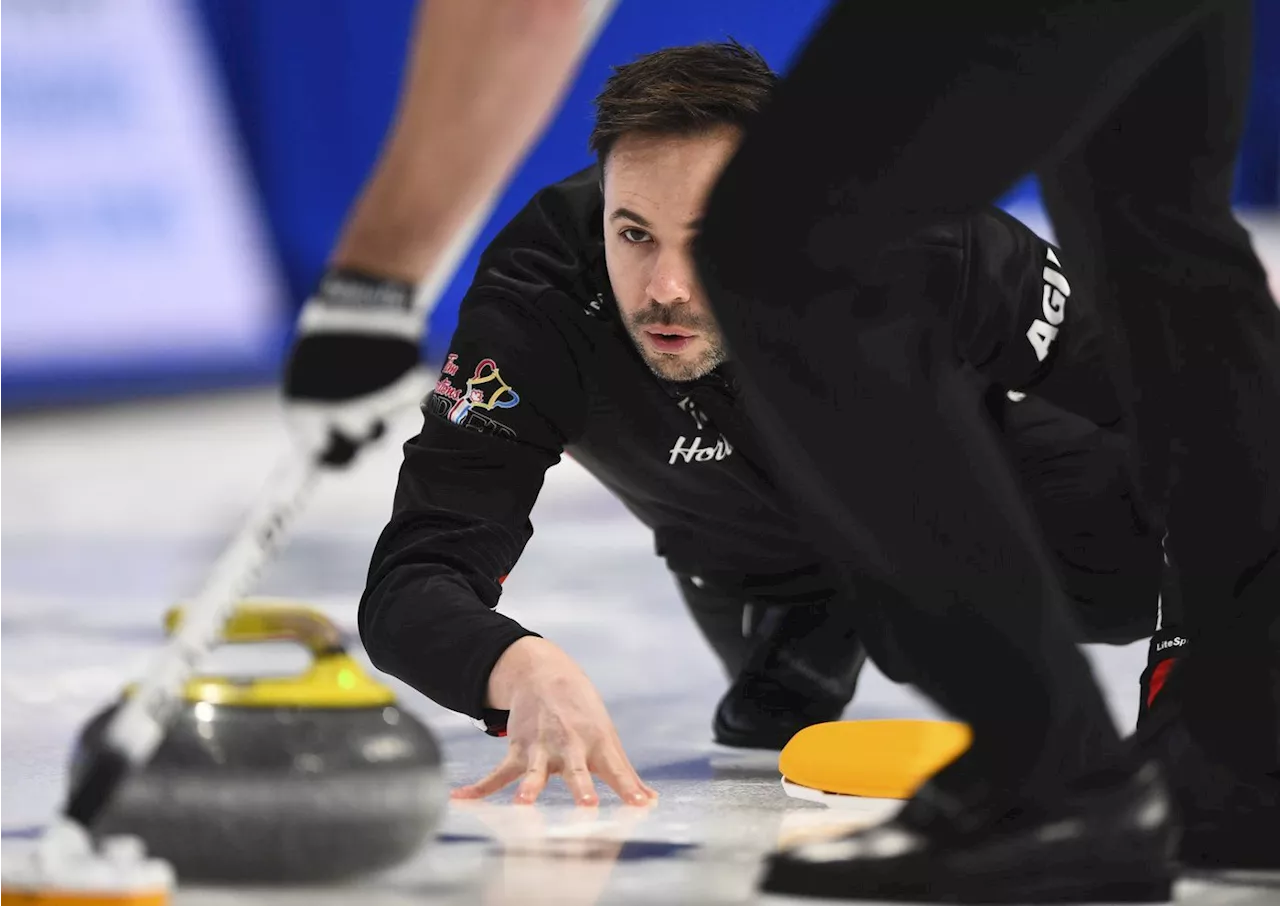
pixel 632 234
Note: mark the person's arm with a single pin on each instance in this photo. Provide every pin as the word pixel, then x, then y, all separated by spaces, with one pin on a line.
pixel 1022 323
pixel 507 400
pixel 558 725
pixel 483 78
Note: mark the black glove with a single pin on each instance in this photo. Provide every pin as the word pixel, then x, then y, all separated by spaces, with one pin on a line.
pixel 355 362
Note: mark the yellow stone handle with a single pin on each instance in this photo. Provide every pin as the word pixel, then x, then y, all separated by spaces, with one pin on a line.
pixel 266 621
pixel 334 679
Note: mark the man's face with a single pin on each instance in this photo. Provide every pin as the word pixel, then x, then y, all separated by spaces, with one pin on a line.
pixel 655 188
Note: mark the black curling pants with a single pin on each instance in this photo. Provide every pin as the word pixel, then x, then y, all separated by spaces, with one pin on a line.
pixel 898 115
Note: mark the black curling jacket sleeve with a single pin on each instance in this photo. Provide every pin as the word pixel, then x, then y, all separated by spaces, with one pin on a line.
pixel 507 402
pixel 1022 322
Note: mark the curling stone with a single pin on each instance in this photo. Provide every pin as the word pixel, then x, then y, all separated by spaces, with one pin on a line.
pixel 313 778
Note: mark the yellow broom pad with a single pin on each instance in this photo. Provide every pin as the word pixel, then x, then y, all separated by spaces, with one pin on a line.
pixel 55 897
pixel 879 759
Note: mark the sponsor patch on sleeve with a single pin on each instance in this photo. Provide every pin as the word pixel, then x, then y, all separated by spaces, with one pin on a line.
pixel 1056 290
pixel 468 406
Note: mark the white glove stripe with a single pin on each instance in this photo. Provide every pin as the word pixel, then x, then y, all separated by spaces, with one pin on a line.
pixel 311 420
pixel 320 319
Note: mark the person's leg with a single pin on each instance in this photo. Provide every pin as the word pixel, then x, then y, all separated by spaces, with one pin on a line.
pixel 891 120
pixel 1077 478
pixel 720 616
pixel 1153 185
pixel 882 430
pixel 1146 202
pixel 803 669
pixel 788 666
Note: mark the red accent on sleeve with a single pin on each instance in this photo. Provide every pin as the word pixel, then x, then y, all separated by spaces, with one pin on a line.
pixel 1158 677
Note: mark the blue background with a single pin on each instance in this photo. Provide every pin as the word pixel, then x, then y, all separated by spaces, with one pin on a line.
pixel 311 85
pixel 314 85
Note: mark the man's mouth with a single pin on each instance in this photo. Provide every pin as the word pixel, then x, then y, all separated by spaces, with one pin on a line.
pixel 669 339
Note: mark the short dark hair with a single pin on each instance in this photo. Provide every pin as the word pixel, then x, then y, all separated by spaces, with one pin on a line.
pixel 681 91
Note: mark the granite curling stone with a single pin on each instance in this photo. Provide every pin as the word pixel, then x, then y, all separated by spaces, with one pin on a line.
pixel 315 778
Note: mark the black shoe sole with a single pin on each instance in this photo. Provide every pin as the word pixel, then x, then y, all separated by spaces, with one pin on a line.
pixel 1248 858
pixel 1236 877
pixel 1141 874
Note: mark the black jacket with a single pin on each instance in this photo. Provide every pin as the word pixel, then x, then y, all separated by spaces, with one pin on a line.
pixel 541 364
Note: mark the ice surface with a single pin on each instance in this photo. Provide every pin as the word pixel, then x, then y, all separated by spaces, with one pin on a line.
pixel 112 515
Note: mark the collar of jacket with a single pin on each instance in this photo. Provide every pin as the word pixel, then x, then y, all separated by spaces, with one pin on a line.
pixel 724 378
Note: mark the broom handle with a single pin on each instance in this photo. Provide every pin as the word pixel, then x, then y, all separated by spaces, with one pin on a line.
pixel 139 726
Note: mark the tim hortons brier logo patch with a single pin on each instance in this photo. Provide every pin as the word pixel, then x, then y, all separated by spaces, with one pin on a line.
pixel 485 390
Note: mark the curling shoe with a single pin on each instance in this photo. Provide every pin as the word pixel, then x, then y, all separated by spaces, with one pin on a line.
pixel 1110 841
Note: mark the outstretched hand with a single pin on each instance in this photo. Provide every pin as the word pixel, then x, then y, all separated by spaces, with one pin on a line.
pixel 558 725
